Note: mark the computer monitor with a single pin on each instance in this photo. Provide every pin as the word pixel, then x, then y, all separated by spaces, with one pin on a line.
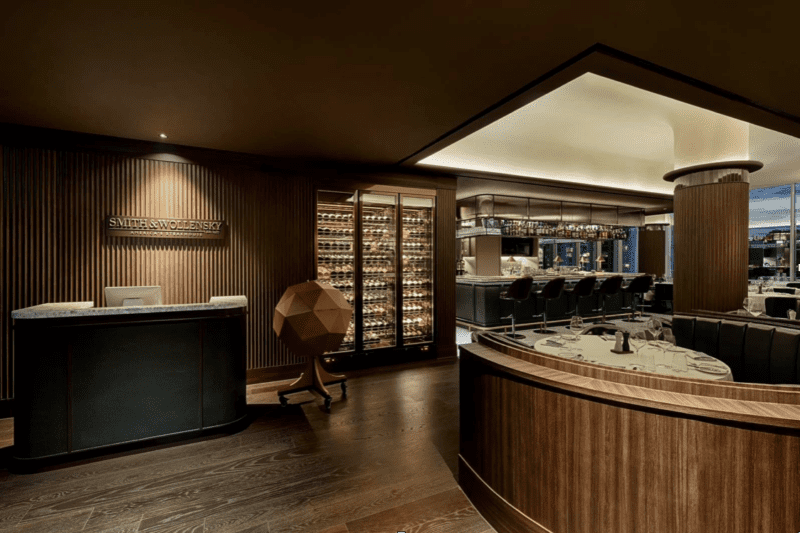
pixel 126 296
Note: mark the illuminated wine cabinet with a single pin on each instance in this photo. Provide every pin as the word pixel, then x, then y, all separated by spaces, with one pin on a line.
pixel 378 249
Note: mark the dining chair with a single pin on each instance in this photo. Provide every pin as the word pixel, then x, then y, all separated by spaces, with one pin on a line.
pixel 778 307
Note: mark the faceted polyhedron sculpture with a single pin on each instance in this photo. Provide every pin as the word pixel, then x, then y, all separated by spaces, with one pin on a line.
pixel 312 318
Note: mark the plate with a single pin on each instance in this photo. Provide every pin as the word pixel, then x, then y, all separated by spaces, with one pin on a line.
pixel 709 369
pixel 702 358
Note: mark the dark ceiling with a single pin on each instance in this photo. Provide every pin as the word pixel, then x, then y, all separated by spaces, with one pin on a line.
pixel 353 81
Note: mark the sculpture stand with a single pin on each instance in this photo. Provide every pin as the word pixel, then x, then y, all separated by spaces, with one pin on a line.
pixel 314 378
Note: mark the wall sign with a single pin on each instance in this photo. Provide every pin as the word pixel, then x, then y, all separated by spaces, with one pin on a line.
pixel 164 228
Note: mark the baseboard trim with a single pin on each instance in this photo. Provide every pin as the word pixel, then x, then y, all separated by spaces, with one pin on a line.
pixel 274 373
pixel 501 515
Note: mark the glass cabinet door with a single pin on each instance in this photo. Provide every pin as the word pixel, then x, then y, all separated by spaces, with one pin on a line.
pixel 378 260
pixel 335 249
pixel 417 245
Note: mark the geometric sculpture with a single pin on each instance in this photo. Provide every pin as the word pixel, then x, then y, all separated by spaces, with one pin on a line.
pixel 311 319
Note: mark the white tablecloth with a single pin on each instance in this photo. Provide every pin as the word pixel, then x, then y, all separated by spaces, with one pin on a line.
pixel 758 299
pixel 596 349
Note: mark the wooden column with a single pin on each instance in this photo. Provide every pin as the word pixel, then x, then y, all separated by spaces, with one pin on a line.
pixel 711 224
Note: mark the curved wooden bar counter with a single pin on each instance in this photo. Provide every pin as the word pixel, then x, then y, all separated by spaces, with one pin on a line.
pixel 555 446
pixel 91 379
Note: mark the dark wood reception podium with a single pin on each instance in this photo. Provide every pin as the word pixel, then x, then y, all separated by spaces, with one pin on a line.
pixel 91 379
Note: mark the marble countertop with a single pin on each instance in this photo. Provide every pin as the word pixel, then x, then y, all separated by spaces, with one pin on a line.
pixel 87 309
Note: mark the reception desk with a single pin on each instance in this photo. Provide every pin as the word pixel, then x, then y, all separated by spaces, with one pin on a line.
pixel 89 379
pixel 549 445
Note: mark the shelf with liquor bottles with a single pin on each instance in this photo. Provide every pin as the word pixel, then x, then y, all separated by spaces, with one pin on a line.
pixel 510 216
pixel 379 251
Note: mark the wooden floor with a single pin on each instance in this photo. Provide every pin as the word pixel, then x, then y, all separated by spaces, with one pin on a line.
pixel 382 461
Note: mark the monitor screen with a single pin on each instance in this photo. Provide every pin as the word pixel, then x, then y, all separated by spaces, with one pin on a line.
pixel 126 296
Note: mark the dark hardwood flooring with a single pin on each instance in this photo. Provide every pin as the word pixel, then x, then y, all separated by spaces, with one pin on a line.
pixel 383 460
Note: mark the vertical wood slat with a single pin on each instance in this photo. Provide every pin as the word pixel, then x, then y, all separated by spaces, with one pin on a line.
pixel 445 292
pixel 711 247
pixel 652 252
pixel 52 247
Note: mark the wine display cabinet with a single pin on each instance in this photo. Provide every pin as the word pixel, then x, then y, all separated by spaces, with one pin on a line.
pixel 378 249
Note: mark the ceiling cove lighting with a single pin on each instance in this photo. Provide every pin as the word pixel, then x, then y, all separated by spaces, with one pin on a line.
pixel 597 131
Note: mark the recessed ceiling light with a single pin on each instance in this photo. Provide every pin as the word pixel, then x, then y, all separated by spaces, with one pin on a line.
pixel 162 135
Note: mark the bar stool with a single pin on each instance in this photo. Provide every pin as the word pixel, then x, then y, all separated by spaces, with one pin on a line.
pixel 519 291
pixel 639 286
pixel 609 287
pixel 551 291
pixel 664 293
pixel 583 289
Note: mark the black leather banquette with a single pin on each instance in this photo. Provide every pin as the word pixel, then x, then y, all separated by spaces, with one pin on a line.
pixel 755 352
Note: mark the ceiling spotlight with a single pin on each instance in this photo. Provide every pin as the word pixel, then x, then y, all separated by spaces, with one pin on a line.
pixel 162 135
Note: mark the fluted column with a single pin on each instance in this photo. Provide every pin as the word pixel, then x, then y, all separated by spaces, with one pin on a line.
pixel 711 230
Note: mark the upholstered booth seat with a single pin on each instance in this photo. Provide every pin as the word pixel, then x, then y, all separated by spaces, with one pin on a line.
pixel 755 353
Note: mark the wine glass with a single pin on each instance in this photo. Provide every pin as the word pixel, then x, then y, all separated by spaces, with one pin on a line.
pixel 653 327
pixel 576 326
pixel 747 304
pixel 636 343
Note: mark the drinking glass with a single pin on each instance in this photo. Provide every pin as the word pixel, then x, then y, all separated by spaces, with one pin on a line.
pixel 679 362
pixel 576 326
pixel 648 358
pixel 636 343
pixel 654 328
pixel 747 304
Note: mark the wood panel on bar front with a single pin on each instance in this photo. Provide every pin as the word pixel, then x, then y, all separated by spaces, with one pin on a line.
pixel 556 446
pixel 652 252
pixel 711 247
pixel 53 249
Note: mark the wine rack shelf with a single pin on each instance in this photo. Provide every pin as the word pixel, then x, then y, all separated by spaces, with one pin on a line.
pixel 378 249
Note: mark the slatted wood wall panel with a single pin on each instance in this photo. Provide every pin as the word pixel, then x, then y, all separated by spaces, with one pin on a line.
pixel 53 248
pixel 711 248
pixel 446 272
pixel 652 252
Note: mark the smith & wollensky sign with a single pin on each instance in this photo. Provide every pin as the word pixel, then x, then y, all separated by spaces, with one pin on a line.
pixel 164 228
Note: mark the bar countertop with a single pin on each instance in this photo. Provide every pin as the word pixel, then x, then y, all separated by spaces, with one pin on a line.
pixel 87 309
pixel 477 280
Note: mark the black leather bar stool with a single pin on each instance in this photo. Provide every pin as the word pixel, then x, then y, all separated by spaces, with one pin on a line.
pixel 583 289
pixel 638 287
pixel 609 287
pixel 517 292
pixel 551 291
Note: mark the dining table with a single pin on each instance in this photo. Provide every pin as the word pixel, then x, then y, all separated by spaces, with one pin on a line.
pixel 596 349
pixel 757 299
